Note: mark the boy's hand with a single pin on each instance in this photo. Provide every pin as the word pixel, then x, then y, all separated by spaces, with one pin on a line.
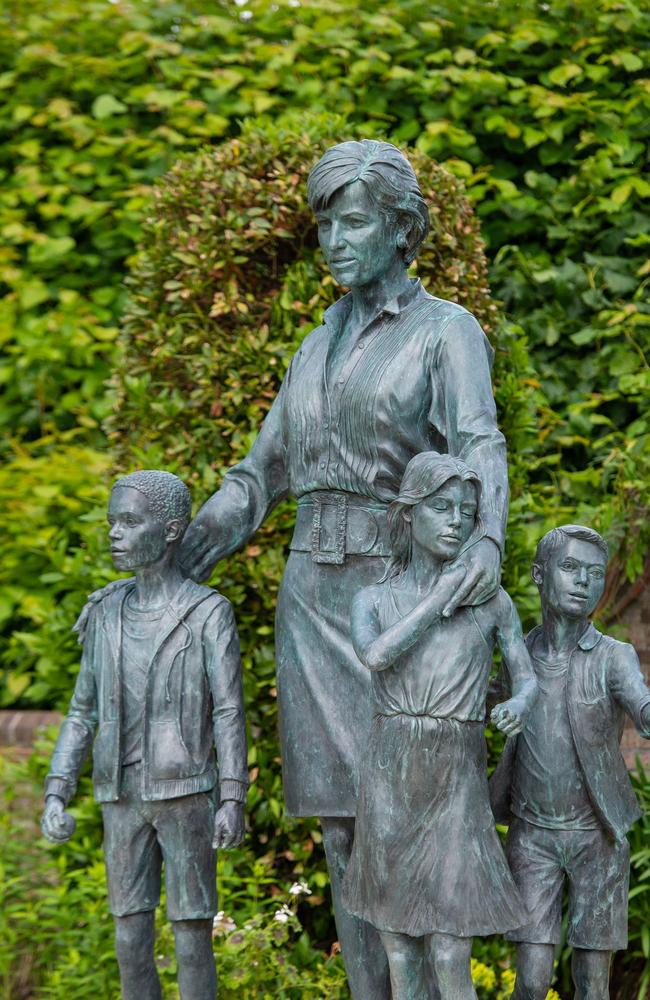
pixel 229 825
pixel 510 715
pixel 57 825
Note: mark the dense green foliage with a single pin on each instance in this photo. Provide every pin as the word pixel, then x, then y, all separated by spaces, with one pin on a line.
pixel 542 113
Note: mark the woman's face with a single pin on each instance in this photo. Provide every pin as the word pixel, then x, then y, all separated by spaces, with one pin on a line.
pixel 358 240
pixel 442 522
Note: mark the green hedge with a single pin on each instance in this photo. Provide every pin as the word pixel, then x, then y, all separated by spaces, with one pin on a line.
pixel 542 113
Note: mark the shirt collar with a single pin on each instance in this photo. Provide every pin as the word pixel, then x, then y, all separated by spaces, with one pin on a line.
pixel 587 641
pixel 336 314
pixel 589 638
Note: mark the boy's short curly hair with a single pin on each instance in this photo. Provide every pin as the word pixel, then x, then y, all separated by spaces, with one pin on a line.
pixel 168 496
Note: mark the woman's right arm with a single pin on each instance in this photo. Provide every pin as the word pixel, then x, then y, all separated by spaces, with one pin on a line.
pixel 248 492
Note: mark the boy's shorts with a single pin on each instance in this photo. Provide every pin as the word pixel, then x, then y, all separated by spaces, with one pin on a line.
pixel 139 836
pixel 598 873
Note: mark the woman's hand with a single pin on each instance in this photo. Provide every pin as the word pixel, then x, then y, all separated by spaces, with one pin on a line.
pixel 198 554
pixel 482 572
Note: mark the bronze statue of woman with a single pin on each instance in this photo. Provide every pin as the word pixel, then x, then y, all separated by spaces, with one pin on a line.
pixel 392 371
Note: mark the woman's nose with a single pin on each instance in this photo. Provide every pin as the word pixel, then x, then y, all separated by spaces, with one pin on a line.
pixel 454 516
pixel 337 236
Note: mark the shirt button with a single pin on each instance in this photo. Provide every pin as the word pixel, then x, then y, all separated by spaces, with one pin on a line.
pixel 325 425
pixel 361 346
pixel 341 381
pixel 322 465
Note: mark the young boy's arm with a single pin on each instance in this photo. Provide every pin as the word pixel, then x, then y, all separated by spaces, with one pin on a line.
pixel 510 716
pixel 72 746
pixel 223 665
pixel 628 687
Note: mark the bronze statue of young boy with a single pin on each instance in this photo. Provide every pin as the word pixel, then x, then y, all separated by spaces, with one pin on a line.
pixel 160 680
pixel 563 782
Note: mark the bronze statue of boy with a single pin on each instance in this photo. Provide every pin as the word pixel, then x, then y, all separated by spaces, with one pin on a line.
pixel 563 782
pixel 160 681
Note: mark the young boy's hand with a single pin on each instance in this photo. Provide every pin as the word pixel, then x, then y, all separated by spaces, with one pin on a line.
pixel 229 825
pixel 510 715
pixel 57 825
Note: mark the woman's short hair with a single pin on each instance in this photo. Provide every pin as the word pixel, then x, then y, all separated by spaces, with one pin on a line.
pixel 389 179
pixel 424 475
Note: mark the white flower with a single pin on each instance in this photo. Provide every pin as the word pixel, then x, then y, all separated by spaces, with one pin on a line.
pixel 282 915
pixel 222 924
pixel 300 889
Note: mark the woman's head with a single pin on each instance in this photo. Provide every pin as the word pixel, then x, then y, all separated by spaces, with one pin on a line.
pixel 436 509
pixel 389 182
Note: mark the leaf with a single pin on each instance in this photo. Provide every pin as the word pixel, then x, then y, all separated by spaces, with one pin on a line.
pixel 50 249
pixel 106 105
pixel 564 73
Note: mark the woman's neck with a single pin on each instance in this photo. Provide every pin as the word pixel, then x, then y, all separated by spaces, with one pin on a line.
pixel 369 300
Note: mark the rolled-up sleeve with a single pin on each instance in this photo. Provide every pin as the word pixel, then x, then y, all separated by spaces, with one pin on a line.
pixel 464 412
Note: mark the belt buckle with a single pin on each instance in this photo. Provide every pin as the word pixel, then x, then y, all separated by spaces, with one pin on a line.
pixel 335 556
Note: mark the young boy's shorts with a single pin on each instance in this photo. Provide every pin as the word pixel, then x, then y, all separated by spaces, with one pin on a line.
pixel 598 873
pixel 139 836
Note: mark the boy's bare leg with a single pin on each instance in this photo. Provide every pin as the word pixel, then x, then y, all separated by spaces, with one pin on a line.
pixel 406 963
pixel 134 946
pixel 451 959
pixel 197 975
pixel 534 971
pixel 590 970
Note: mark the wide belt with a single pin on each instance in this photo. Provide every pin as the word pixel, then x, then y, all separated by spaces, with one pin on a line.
pixel 332 525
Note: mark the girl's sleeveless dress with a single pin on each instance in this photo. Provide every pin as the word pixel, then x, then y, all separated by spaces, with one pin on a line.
pixel 427 857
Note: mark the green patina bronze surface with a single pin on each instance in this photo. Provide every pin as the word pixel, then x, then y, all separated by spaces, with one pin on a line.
pixel 159 690
pixel 391 372
pixel 562 783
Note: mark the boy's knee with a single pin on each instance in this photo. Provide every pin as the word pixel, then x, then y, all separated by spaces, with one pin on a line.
pixel 192 939
pixel 132 934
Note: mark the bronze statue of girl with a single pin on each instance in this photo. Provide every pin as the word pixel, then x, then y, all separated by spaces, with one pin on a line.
pixel 427 867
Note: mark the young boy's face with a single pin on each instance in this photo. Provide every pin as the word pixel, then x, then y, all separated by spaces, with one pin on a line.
pixel 573 579
pixel 137 537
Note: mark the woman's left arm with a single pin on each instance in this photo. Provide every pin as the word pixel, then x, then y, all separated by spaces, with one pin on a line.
pixel 468 421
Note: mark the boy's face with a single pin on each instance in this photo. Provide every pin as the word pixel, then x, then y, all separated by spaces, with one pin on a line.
pixel 573 579
pixel 137 537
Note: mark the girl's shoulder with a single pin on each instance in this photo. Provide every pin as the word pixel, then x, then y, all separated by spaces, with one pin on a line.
pixel 494 611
